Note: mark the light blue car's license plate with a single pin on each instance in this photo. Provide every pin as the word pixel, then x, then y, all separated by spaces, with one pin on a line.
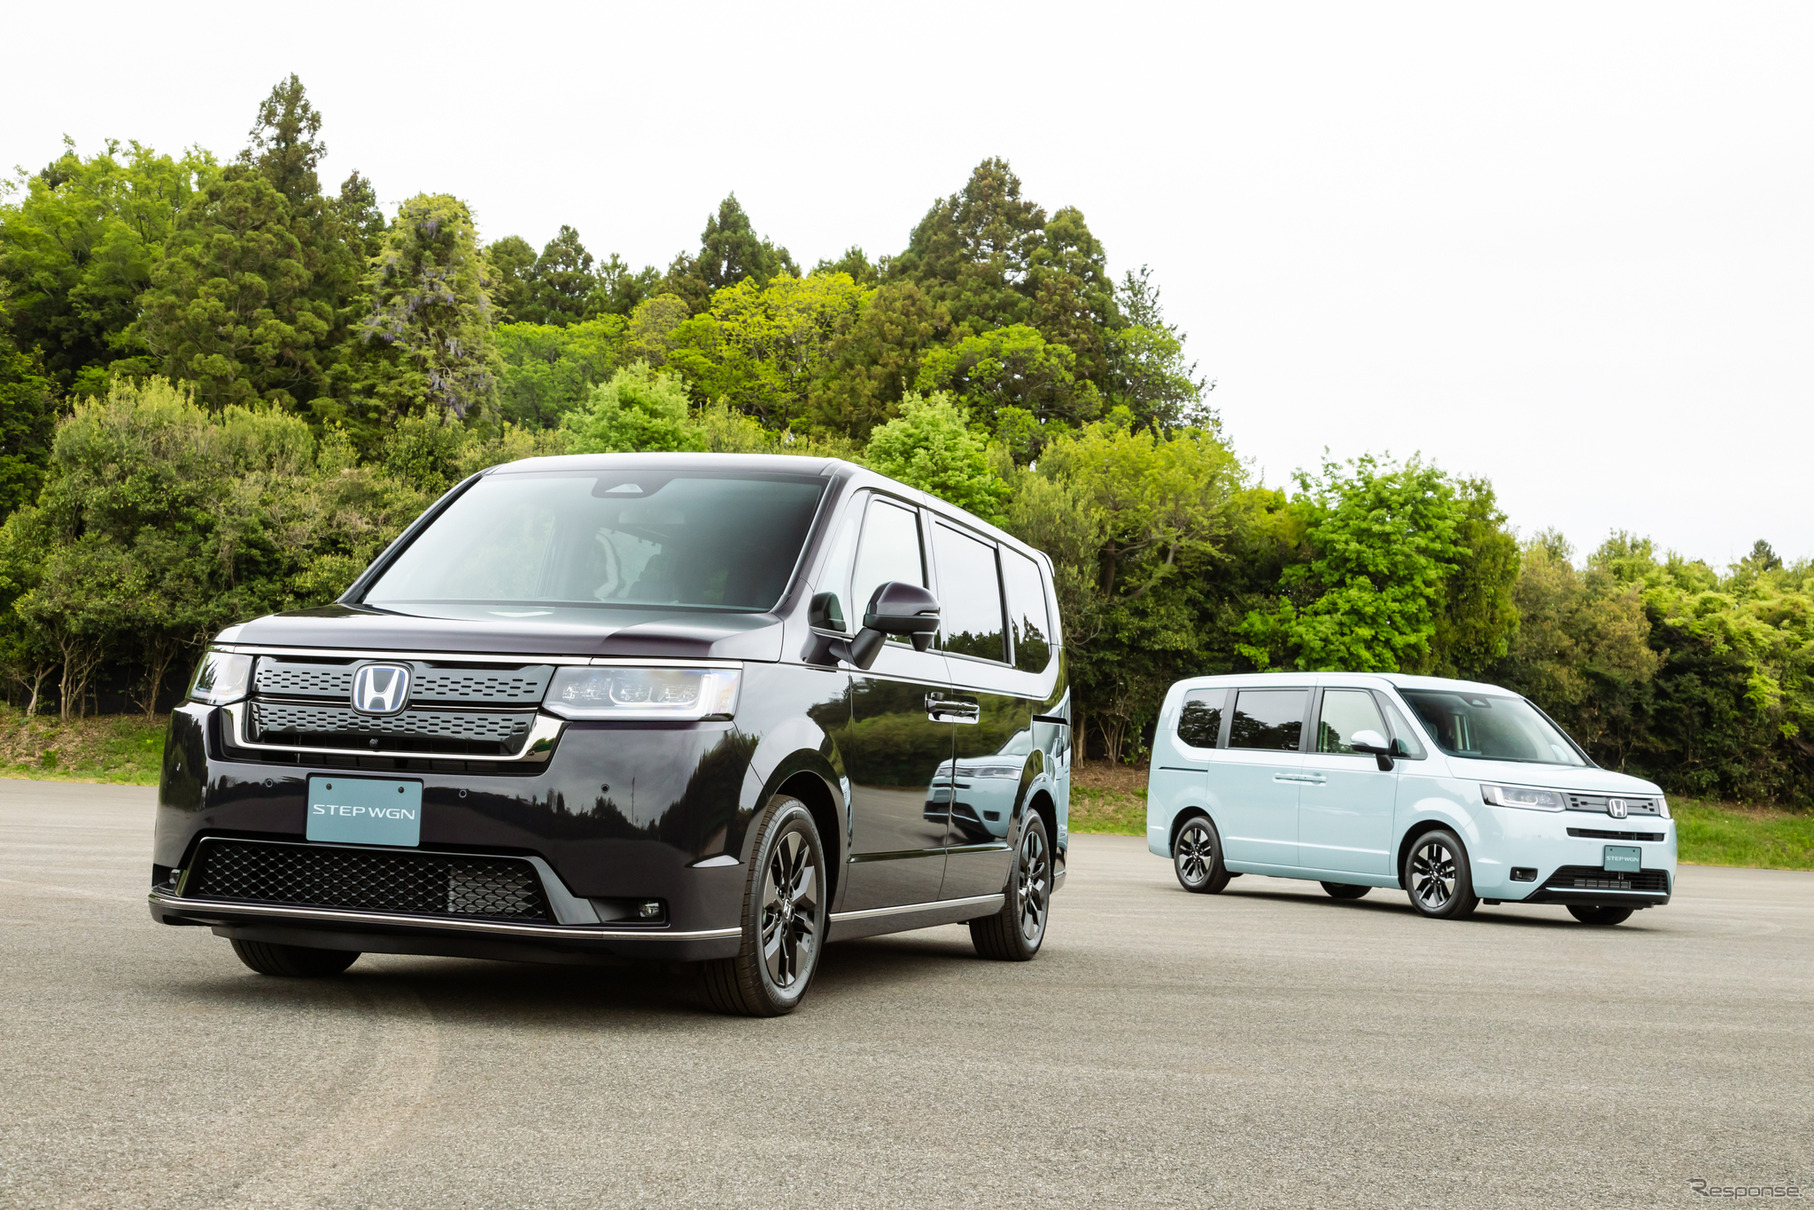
pixel 1624 859
pixel 365 810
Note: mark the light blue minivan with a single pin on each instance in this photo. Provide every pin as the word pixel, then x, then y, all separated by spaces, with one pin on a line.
pixel 1460 793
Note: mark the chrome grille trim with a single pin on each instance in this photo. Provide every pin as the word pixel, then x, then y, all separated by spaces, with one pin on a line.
pixel 464 726
pixel 537 747
pixel 431 682
pixel 1634 804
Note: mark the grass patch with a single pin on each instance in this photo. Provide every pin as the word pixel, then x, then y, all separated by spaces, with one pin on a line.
pixel 1723 833
pixel 127 749
pixel 1108 798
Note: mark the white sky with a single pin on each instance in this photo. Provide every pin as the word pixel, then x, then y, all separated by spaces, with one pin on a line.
pixel 1567 247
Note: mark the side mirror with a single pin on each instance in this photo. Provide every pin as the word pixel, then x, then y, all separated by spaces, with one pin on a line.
pixel 896 608
pixel 1373 743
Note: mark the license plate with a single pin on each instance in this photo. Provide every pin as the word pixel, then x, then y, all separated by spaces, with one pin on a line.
pixel 365 810
pixel 1623 858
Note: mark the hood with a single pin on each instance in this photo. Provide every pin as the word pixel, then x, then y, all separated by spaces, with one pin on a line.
pixel 1550 777
pixel 522 630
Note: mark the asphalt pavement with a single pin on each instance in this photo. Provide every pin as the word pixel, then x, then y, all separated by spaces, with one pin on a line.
pixel 1267 1046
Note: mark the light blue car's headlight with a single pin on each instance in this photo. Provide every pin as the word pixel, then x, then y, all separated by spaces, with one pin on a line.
pixel 1663 807
pixel 1528 797
pixel 641 693
pixel 221 679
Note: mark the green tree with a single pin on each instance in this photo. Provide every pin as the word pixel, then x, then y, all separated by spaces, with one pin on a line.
pixel 1381 542
pixel 869 368
pixel 562 284
pixel 1012 367
pixel 1581 649
pixel 429 303
pixel 27 419
pixel 78 243
pixel 761 347
pixel 931 447
pixel 1147 370
pixel 231 306
pixel 548 370
pixel 510 264
pixel 730 252
pixel 637 410
pixel 1162 514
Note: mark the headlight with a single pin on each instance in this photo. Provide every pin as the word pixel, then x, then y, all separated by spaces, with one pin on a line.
pixel 1523 796
pixel 221 678
pixel 1663 807
pixel 643 693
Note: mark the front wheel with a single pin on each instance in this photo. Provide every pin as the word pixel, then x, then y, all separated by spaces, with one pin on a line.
pixel 784 916
pixel 1015 933
pixel 1437 878
pixel 1589 914
pixel 1197 857
pixel 292 961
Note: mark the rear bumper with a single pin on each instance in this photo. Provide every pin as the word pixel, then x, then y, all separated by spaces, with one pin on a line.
pixel 392 933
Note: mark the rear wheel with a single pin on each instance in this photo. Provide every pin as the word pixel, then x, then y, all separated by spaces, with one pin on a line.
pixel 1437 878
pixel 784 917
pixel 1015 933
pixel 1197 857
pixel 1591 914
pixel 1345 890
pixel 292 961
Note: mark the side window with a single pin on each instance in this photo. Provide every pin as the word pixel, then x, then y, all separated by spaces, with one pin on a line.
pixel 1028 621
pixel 1344 712
pixel 890 550
pixel 969 596
pixel 1403 732
pixel 1268 718
pixel 1200 722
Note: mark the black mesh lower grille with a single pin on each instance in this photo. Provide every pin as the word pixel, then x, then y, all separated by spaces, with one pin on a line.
pixel 1593 878
pixel 368 880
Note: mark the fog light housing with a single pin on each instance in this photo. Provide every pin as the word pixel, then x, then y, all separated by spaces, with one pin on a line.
pixel 649 909
pixel 1523 873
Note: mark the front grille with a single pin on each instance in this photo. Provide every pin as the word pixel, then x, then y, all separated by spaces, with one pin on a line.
pixel 368 880
pixel 439 731
pixel 1592 878
pixel 437 683
pixel 1597 802
pixel 1608 834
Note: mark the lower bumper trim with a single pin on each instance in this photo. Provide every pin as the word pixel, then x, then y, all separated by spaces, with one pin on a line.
pixel 217 911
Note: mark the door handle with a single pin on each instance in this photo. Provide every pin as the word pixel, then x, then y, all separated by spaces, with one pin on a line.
pixel 939 708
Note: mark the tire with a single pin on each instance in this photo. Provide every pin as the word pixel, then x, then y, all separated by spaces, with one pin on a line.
pixel 1346 890
pixel 293 961
pixel 1197 857
pixel 1601 916
pixel 1015 933
pixel 1437 877
pixel 784 918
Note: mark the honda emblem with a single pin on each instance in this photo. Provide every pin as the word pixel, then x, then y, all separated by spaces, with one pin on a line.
pixel 1615 807
pixel 381 688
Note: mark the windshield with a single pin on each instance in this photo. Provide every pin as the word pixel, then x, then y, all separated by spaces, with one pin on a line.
pixel 692 539
pixel 1491 727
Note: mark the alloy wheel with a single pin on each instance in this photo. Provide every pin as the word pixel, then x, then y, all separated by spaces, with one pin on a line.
pixel 790 910
pixel 1196 852
pixel 1433 875
pixel 1034 873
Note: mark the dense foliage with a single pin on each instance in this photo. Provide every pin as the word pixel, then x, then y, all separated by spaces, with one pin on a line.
pixel 223 389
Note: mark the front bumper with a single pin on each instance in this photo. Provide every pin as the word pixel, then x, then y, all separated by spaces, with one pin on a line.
pixel 1535 857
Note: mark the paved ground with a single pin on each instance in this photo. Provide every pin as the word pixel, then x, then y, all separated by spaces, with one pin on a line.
pixel 1267 1046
